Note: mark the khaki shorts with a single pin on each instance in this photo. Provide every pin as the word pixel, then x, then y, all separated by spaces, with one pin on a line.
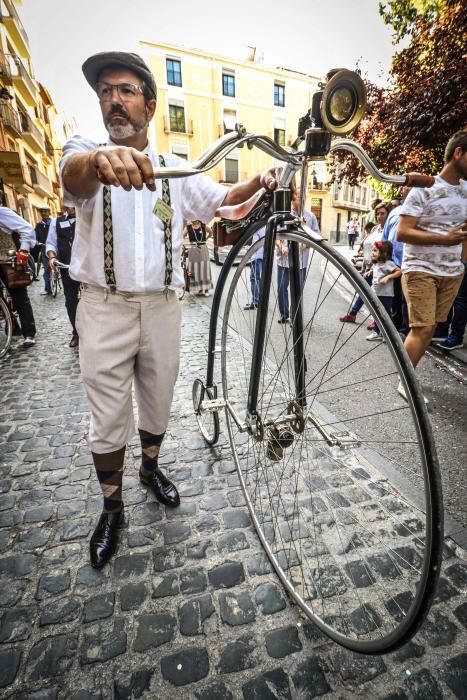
pixel 126 341
pixel 429 297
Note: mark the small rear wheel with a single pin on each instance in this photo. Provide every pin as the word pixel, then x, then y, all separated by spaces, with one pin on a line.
pixel 208 421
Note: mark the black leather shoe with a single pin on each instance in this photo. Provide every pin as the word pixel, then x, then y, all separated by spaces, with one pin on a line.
pixel 104 539
pixel 162 487
pixel 250 307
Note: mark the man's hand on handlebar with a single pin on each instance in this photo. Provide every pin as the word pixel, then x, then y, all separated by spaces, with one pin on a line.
pixel 123 166
pixel 53 263
pixel 269 179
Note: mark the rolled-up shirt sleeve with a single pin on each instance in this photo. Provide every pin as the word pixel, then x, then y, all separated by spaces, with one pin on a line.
pixel 14 223
pixel 77 144
pixel 51 242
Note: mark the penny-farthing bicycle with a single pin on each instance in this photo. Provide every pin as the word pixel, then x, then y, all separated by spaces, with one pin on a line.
pixel 339 472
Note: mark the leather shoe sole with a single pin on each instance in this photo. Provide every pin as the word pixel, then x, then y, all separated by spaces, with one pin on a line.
pixel 104 539
pixel 162 488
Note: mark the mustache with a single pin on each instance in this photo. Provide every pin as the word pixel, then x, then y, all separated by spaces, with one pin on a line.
pixel 118 110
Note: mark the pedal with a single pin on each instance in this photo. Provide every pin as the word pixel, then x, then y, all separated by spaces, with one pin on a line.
pixel 212 405
pixel 346 439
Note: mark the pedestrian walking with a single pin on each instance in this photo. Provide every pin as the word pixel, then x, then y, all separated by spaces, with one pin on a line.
pixel 352 232
pixel 42 231
pixel 384 272
pixel 282 260
pixel 199 264
pixel 432 225
pixel 256 270
pixel 450 335
pixel 14 228
pixel 126 254
pixel 381 212
pixel 58 247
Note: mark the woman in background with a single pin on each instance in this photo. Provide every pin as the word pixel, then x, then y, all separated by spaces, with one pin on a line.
pixel 199 265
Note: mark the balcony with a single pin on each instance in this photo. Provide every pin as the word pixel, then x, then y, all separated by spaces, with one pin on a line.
pixel 186 128
pixel 14 25
pixel 31 134
pixel 10 119
pixel 49 149
pixel 5 70
pixel 41 183
pixel 22 80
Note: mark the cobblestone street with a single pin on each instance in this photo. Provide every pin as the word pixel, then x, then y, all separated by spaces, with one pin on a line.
pixel 189 607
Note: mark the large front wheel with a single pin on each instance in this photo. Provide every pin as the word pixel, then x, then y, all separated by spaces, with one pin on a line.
pixel 339 471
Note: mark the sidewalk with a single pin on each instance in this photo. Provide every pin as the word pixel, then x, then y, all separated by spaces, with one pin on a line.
pixel 189 607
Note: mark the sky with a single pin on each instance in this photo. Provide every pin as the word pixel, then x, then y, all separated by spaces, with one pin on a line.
pixel 307 35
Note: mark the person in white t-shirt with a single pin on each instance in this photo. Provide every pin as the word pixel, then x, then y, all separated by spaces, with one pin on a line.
pixel 384 272
pixel 126 254
pixel 432 225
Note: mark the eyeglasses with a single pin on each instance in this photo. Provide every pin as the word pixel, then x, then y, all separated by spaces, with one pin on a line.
pixel 126 91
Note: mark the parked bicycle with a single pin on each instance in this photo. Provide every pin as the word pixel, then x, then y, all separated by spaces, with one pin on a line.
pixel 9 320
pixel 339 473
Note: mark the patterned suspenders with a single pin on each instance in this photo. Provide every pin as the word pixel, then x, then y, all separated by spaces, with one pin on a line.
pixel 109 240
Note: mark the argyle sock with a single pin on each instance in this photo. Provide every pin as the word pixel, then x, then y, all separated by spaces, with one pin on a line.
pixel 150 447
pixel 109 470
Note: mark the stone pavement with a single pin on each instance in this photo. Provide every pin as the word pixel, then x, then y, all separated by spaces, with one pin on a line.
pixel 189 606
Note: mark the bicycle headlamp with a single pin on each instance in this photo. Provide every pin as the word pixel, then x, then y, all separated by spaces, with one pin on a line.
pixel 344 101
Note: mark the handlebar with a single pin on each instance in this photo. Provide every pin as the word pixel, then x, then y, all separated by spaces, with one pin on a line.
pixel 294 159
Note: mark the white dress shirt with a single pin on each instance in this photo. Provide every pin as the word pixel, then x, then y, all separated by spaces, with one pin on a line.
pixel 14 223
pixel 139 249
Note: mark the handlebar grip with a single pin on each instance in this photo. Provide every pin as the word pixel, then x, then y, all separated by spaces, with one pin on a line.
pixel 419 180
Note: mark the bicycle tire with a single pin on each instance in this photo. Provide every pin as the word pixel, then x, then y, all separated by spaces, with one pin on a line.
pixel 314 506
pixel 55 282
pixel 208 422
pixel 32 266
pixel 39 263
pixel 6 328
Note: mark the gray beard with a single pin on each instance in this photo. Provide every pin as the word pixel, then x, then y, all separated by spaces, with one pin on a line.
pixel 120 131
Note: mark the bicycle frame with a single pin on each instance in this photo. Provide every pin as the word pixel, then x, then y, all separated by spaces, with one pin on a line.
pixel 280 214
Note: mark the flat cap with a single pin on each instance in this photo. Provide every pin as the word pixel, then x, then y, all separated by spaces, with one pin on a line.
pixel 94 65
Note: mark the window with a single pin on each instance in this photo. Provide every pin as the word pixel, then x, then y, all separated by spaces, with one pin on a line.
pixel 174 72
pixel 231 170
pixel 180 150
pixel 228 84
pixel 177 118
pixel 279 137
pixel 229 119
pixel 279 95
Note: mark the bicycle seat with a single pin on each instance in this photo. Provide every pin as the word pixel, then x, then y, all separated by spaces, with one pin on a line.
pixel 240 211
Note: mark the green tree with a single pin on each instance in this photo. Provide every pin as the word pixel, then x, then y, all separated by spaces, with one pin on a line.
pixel 408 124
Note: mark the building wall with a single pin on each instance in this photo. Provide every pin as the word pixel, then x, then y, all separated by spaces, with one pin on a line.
pixel 207 112
pixel 27 125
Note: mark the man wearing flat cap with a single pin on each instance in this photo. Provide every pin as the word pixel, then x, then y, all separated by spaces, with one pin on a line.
pixel 126 253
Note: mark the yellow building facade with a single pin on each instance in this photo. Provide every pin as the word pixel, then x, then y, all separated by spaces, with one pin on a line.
pixel 203 95
pixel 29 148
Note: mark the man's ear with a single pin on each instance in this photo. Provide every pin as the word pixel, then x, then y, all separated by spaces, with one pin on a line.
pixel 150 109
